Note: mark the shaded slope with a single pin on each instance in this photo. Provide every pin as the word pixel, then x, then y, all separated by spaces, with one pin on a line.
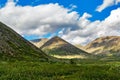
pixel 58 46
pixel 109 46
pixel 13 46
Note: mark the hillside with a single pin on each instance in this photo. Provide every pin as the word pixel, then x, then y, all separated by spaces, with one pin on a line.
pixel 13 46
pixel 79 46
pixel 109 46
pixel 39 42
pixel 61 49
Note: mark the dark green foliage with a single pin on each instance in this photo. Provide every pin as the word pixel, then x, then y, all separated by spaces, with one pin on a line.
pixel 24 70
pixel 72 61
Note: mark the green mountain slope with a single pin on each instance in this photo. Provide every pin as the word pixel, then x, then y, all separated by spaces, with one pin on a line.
pixel 59 47
pixel 13 46
pixel 108 46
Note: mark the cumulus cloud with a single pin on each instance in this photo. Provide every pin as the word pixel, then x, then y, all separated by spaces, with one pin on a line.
pixel 117 1
pixel 38 20
pixel 107 3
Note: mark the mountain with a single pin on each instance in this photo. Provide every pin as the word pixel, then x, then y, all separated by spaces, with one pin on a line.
pixel 39 42
pixel 60 48
pixel 108 46
pixel 79 46
pixel 13 46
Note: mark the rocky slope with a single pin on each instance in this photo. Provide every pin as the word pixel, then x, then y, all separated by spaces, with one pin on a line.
pixel 109 46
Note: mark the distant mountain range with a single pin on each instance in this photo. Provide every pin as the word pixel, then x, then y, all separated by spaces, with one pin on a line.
pixel 105 46
pixel 13 46
pixel 108 46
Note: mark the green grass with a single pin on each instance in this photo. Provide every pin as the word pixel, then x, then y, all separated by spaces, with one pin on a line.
pixel 83 70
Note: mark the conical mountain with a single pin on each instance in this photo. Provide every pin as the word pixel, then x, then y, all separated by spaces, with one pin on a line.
pixel 39 42
pixel 58 46
pixel 13 46
pixel 109 46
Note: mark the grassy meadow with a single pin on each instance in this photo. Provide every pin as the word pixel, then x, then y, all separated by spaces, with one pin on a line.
pixel 69 70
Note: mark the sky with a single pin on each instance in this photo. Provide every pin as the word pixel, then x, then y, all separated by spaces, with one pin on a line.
pixel 76 21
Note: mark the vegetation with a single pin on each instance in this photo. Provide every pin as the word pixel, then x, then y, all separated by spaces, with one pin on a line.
pixel 83 70
pixel 20 60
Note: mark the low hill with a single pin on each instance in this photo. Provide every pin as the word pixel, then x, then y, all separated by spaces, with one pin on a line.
pixel 13 46
pixel 61 49
pixel 109 46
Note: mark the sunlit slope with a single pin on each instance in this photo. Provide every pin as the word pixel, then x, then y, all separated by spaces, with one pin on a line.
pixel 57 46
pixel 109 46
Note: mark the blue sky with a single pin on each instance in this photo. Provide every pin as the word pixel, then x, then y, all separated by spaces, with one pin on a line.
pixel 77 21
pixel 82 6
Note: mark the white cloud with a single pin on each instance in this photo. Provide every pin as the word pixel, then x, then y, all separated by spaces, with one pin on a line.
pixel 38 20
pixel 91 30
pixel 72 6
pixel 117 1
pixel 107 3
pixel 113 21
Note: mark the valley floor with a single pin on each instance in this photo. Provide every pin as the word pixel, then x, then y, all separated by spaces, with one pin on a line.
pixel 26 70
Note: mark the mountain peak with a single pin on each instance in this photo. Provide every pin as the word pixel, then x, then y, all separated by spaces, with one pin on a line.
pixel 57 38
pixel 55 42
pixel 58 46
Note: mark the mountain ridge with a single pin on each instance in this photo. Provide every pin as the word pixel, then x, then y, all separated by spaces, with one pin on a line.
pixel 12 45
pixel 108 45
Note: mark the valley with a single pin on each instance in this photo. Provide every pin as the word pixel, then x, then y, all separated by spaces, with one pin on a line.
pixel 55 59
pixel 84 70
